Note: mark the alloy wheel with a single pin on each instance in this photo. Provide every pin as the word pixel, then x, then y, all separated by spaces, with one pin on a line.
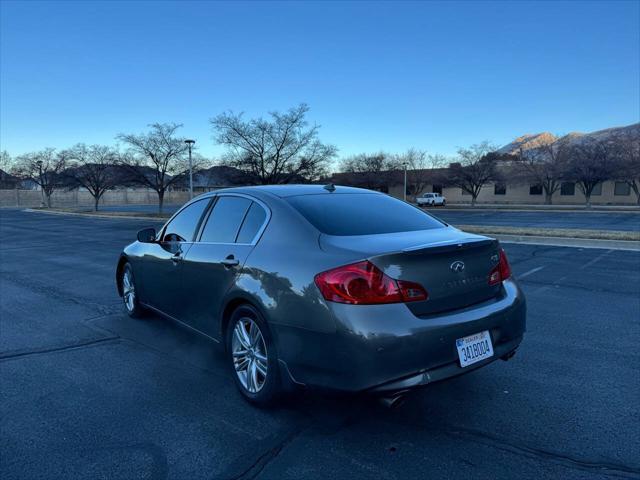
pixel 128 290
pixel 249 354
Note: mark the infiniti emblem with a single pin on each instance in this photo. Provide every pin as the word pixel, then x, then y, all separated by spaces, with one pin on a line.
pixel 457 266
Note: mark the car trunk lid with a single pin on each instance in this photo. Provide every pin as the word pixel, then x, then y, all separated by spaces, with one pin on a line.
pixel 453 266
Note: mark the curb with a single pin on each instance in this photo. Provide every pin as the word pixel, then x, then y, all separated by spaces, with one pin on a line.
pixel 92 215
pixel 627 245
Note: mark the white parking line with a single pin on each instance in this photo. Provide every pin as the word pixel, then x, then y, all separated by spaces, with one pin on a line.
pixel 530 272
pixel 599 257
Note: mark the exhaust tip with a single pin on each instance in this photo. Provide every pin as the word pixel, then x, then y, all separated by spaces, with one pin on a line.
pixel 393 401
pixel 508 356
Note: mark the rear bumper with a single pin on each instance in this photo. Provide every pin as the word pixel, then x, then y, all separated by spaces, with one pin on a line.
pixel 443 372
pixel 384 348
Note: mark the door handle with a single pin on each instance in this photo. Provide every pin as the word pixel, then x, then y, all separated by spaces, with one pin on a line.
pixel 230 261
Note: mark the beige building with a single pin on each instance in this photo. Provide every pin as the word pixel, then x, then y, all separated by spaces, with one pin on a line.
pixel 607 193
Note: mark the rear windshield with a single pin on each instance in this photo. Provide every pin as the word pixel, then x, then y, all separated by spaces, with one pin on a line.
pixel 361 214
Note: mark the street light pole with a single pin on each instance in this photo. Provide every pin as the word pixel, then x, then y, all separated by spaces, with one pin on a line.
pixel 190 144
pixel 404 164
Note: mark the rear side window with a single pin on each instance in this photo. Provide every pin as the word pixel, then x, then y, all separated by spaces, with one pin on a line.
pixel 252 222
pixel 225 219
pixel 183 226
pixel 361 214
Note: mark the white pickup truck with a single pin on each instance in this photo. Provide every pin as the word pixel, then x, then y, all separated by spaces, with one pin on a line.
pixel 431 200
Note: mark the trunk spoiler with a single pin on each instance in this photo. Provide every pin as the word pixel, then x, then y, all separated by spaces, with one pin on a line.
pixel 450 245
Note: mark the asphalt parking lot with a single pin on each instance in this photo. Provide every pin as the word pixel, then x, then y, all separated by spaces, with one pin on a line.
pixel 87 392
pixel 622 221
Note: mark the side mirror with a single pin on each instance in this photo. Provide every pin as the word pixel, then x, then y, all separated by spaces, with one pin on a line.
pixel 148 235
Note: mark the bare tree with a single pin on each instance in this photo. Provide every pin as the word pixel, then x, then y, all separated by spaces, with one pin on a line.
pixel 591 162
pixel 372 171
pixel 45 168
pixel 6 162
pixel 628 163
pixel 156 159
pixel 94 168
pixel 545 165
pixel 476 166
pixel 279 150
pixel 420 168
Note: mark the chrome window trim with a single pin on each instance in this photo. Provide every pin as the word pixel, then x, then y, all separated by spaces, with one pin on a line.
pixel 211 207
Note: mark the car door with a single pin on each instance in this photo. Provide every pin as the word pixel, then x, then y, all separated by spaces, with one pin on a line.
pixel 212 263
pixel 162 263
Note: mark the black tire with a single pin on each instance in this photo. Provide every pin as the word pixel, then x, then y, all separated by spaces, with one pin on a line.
pixel 134 308
pixel 271 389
pixel 444 203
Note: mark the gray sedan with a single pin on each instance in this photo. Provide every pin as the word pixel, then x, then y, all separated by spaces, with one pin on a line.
pixel 324 286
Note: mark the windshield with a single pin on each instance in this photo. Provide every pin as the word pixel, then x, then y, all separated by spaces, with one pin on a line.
pixel 361 214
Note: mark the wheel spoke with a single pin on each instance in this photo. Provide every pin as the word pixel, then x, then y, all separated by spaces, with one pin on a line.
pixel 253 373
pixel 261 367
pixel 261 357
pixel 249 379
pixel 254 334
pixel 240 336
pixel 241 364
pixel 245 329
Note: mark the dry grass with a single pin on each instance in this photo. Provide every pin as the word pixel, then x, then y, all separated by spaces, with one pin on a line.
pixel 160 216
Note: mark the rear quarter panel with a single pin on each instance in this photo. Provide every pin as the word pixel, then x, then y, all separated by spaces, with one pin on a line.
pixel 279 272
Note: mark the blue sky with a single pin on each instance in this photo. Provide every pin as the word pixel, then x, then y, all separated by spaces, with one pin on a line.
pixel 377 76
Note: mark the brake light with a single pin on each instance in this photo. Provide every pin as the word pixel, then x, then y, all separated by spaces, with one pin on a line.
pixel 363 283
pixel 501 271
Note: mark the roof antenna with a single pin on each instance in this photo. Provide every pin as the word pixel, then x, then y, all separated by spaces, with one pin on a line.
pixel 330 187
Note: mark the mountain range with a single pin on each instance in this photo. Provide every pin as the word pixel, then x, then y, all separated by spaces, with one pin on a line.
pixel 536 140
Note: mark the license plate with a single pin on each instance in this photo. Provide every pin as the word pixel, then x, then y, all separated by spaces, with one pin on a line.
pixel 474 348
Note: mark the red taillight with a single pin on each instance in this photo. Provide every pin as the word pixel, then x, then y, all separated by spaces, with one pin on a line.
pixel 363 283
pixel 500 272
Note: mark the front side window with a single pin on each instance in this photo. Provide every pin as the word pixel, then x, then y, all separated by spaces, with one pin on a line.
pixel 361 214
pixel 182 227
pixel 597 189
pixel 225 220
